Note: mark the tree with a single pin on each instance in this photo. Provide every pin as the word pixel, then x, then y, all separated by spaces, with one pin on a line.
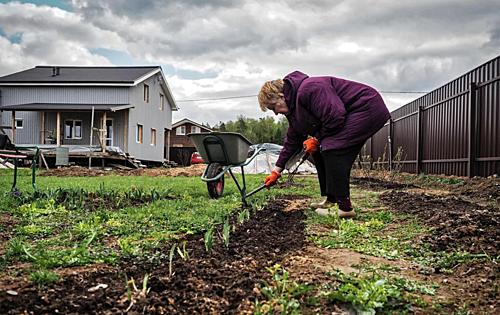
pixel 262 130
pixel 222 127
pixel 241 126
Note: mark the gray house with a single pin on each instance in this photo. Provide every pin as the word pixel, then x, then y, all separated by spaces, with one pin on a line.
pixel 53 106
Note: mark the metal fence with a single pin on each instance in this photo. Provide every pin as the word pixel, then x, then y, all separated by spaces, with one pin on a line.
pixel 453 130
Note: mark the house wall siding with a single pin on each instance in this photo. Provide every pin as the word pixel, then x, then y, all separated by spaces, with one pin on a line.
pixel 147 114
pixel 15 95
pixel 150 116
pixel 32 127
pixel 118 122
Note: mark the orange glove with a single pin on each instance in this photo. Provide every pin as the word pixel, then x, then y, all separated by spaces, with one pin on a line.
pixel 271 179
pixel 312 145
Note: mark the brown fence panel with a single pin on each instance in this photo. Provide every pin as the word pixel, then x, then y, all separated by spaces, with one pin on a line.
pixel 379 150
pixel 445 138
pixel 489 125
pixel 453 130
pixel 404 136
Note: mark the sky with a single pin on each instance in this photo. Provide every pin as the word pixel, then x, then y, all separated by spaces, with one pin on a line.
pixel 217 54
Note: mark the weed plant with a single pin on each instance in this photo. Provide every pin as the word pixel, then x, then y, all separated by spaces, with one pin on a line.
pixel 373 293
pixel 282 295
pixel 43 277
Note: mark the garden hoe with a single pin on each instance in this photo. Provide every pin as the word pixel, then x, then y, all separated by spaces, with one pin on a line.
pixel 299 156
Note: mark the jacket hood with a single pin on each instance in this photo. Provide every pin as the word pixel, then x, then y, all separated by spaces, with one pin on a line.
pixel 292 82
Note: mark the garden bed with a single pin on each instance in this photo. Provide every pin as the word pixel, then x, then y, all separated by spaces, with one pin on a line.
pixel 433 245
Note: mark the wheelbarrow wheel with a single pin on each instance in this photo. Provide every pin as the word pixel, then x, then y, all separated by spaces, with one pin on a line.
pixel 216 187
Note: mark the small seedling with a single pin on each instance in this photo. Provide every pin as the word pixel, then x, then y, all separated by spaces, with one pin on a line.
pixel 225 230
pixel 170 258
pixel 243 216
pixel 184 254
pixel 209 239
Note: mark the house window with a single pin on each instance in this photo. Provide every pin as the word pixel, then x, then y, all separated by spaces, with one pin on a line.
pixel 153 137
pixel 162 102
pixel 72 129
pixel 195 129
pixel 138 137
pixel 19 123
pixel 177 145
pixel 146 93
pixel 180 130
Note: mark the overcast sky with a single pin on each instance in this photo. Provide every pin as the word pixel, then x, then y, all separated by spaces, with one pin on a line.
pixel 223 48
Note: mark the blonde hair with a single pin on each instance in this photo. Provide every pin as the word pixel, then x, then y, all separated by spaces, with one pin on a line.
pixel 269 93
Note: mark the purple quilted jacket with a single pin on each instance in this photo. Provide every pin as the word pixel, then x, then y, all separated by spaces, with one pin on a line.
pixel 338 112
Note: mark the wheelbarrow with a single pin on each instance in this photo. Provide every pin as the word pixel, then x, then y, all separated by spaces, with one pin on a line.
pixel 222 151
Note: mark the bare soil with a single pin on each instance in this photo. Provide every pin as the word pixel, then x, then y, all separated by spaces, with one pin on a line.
pixel 208 283
pixel 79 171
pixel 223 282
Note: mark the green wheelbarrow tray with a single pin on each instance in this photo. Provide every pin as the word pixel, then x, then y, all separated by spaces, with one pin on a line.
pixel 222 151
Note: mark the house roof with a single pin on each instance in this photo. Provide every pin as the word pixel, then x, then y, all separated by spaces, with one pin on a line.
pixel 43 74
pixel 88 76
pixel 188 121
pixel 60 107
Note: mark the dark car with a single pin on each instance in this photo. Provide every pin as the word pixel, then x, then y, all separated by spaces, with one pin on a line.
pixel 196 158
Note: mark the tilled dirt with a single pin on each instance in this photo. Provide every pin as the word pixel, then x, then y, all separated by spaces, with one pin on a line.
pixel 456 222
pixel 79 171
pixel 480 188
pixel 375 184
pixel 459 225
pixel 208 283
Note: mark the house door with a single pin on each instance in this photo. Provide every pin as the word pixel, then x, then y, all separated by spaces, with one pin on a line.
pixel 109 132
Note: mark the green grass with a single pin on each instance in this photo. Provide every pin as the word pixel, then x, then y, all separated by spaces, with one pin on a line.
pixel 51 233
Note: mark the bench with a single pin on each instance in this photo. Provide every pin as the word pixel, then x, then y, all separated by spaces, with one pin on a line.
pixel 25 153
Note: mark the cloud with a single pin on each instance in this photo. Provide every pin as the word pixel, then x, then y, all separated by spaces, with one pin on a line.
pixel 227 48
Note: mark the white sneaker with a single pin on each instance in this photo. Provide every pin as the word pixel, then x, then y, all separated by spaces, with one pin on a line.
pixel 323 204
pixel 333 211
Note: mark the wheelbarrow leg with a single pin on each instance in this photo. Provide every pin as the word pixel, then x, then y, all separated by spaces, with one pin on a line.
pixel 15 174
pixel 33 175
pixel 242 190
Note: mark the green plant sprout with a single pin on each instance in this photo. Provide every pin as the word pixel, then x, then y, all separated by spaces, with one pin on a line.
pixel 184 254
pixel 243 216
pixel 225 231
pixel 209 239
pixel 170 258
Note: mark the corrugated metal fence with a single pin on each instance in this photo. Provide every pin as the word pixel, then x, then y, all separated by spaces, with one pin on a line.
pixel 453 130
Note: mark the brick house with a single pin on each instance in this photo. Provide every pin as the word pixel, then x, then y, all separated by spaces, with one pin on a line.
pixel 179 146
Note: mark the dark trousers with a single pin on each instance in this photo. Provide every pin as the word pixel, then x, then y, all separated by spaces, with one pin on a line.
pixel 334 170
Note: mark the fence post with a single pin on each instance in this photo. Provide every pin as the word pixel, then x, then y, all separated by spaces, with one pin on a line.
pixel 390 143
pixel 419 140
pixel 472 124
pixel 371 153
